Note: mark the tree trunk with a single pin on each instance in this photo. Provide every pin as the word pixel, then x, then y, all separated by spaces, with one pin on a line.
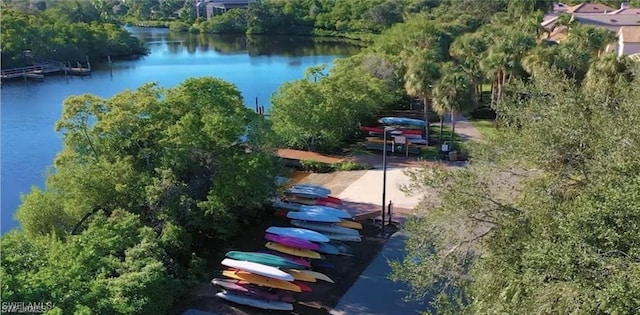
pixel 453 128
pixel 441 127
pixel 426 116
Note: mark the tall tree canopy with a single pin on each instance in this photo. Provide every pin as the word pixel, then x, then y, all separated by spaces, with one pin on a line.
pixel 544 219
pixel 186 165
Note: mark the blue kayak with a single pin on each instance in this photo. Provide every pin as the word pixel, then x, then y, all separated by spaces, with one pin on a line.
pixel 401 121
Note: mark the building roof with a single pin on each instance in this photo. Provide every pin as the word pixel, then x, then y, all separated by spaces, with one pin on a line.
pixel 587 7
pixel 609 20
pixel 630 34
pixel 626 11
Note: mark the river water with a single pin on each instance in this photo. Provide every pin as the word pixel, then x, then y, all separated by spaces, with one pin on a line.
pixel 256 65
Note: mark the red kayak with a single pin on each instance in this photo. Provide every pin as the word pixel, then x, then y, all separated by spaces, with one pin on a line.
pixel 314 201
pixel 248 289
pixel 380 130
pixel 303 287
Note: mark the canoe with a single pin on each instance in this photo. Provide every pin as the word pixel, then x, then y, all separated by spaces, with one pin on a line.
pixel 340 213
pixel 350 224
pixel 325 228
pixel 291 241
pixel 256 268
pixel 262 258
pixel 327 248
pixel 258 303
pixel 261 280
pixel 304 234
pixel 303 286
pixel 314 216
pixel 293 251
pixel 331 199
pixel 298 260
pixel 326 203
pixel 298 275
pixel 317 275
pixel 246 288
pixel 313 187
pixel 301 201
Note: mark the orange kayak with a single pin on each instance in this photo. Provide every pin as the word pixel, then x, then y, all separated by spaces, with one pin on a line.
pixel 261 280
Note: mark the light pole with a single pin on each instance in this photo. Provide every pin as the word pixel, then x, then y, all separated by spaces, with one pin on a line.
pixel 384 175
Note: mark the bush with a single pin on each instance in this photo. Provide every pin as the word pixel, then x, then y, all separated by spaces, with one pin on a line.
pixel 178 27
pixel 316 167
pixel 351 166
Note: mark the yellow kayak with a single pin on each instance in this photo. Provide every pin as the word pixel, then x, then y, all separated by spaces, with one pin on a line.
pixel 293 251
pixel 350 224
pixel 315 274
pixel 300 275
pixel 261 280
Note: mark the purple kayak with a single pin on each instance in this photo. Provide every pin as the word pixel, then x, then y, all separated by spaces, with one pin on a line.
pixel 291 241
pixel 298 260
pixel 252 290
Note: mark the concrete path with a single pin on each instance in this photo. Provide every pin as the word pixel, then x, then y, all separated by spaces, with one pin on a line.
pixel 373 293
pixel 465 130
pixel 368 189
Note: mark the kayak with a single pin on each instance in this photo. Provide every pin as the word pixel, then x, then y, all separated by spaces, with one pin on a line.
pixel 291 241
pixel 340 213
pixel 263 258
pixel 250 301
pixel 314 216
pixel 317 275
pixel 300 276
pixel 325 228
pixel 304 234
pixel 246 288
pixel 261 280
pixel 350 224
pixel 298 260
pixel 293 251
pixel 259 269
pixel 313 187
pixel 327 248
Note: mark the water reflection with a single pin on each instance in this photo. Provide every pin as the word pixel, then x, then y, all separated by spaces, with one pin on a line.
pixel 285 46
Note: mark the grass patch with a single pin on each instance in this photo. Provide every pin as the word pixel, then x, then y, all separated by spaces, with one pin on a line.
pixel 486 127
pixel 432 153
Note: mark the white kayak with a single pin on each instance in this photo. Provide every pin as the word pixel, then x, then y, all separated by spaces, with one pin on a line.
pixel 259 269
pixel 263 304
pixel 325 228
pixel 304 234
pixel 340 213
pixel 313 187
pixel 313 216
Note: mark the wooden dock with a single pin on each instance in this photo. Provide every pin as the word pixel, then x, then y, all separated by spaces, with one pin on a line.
pixel 43 67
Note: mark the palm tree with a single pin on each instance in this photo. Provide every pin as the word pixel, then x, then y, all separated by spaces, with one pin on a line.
pixel 468 50
pixel 421 74
pixel 608 72
pixel 453 94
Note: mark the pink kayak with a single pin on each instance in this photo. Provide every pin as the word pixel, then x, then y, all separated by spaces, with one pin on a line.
pixel 291 241
pixel 298 260
pixel 252 290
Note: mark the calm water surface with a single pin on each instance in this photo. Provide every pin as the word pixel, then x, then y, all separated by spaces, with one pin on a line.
pixel 256 65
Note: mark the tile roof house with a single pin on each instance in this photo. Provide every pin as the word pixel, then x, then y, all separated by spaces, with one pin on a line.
pixel 213 7
pixel 629 40
pixel 597 15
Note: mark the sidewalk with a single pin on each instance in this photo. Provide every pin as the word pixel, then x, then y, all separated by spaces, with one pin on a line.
pixel 373 293
pixel 465 130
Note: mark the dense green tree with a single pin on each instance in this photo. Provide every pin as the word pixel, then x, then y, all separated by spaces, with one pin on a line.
pixel 543 218
pixel 422 73
pixel 452 94
pixel 115 266
pixel 318 113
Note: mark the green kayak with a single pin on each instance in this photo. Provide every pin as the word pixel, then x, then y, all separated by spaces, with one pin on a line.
pixel 264 258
